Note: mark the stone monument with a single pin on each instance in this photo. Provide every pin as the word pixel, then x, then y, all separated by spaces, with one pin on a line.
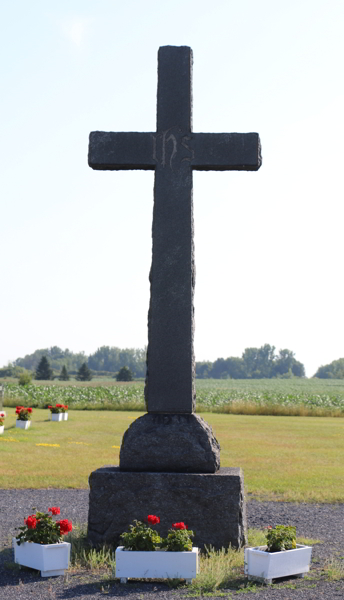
pixel 169 458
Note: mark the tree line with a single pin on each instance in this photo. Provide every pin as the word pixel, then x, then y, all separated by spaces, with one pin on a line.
pixel 44 372
pixel 105 361
pixel 334 370
pixel 255 363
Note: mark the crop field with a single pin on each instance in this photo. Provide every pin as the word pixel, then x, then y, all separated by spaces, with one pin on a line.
pixel 293 397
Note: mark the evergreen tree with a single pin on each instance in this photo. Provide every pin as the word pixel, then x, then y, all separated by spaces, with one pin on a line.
pixel 124 374
pixel 64 374
pixel 84 373
pixel 44 371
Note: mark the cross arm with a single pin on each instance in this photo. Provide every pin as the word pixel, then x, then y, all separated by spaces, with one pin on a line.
pixel 118 151
pixel 226 152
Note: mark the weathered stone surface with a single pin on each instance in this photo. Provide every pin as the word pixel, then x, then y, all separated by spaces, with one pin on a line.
pixel 173 151
pixel 170 443
pixel 212 505
pixel 170 359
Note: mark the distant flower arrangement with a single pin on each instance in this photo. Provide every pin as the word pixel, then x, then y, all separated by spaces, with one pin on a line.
pixel 58 408
pixel 23 414
pixel 2 418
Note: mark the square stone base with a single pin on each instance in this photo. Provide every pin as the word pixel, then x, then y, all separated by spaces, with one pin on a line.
pixel 212 505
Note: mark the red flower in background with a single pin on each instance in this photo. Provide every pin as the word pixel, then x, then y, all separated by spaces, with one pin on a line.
pixel 153 519
pixel 54 510
pixel 179 526
pixel 29 410
pixel 65 526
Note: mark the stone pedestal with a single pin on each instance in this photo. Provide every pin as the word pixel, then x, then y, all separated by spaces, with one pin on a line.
pixel 212 505
pixel 170 443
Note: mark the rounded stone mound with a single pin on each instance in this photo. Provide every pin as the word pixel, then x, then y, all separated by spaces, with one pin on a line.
pixel 171 443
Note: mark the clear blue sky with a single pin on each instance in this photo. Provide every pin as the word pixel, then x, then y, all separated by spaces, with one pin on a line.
pixel 76 243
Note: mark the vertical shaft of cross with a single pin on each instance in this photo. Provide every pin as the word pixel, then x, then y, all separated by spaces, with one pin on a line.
pixel 170 362
pixel 174 97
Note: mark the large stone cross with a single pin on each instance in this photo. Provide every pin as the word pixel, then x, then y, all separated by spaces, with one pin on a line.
pixel 173 152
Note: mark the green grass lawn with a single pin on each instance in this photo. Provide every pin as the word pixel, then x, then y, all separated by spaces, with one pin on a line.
pixel 283 458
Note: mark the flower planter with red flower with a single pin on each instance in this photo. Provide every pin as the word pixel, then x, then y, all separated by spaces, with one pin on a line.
pixel 2 419
pixel 282 557
pixel 50 559
pixel 39 544
pixel 157 564
pixel 23 424
pixel 266 566
pixel 57 417
pixel 58 412
pixel 23 417
pixel 147 556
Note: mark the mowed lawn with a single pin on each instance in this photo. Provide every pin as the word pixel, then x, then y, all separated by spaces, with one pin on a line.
pixel 283 458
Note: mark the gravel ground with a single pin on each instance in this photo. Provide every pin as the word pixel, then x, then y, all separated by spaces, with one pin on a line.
pixel 318 521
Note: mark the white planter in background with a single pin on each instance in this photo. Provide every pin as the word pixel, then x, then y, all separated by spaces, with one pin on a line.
pixel 266 566
pixel 57 416
pixel 23 424
pixel 156 564
pixel 65 416
pixel 2 429
pixel 49 559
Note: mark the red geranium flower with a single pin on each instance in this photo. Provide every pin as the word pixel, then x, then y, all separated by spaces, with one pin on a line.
pixel 31 522
pixel 54 510
pixel 65 526
pixel 66 406
pixel 179 526
pixel 29 410
pixel 153 519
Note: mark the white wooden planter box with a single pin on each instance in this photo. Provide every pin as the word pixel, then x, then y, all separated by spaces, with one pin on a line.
pixel 49 559
pixel 23 424
pixel 57 416
pixel 65 416
pixel 156 565
pixel 266 566
pixel 2 429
